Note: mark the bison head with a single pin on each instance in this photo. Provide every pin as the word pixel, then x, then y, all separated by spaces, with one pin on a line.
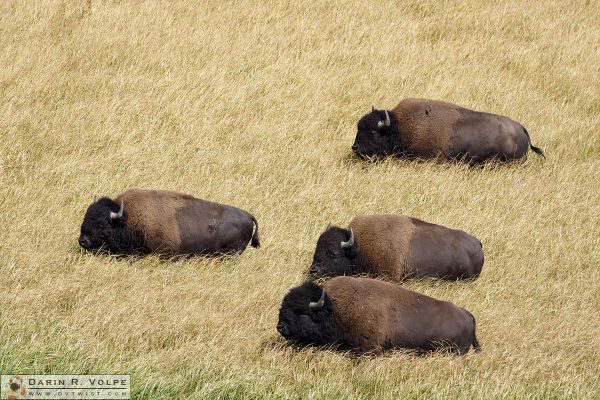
pixel 101 225
pixel 377 135
pixel 336 254
pixel 305 316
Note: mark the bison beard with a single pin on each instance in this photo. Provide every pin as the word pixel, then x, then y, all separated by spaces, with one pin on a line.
pixel 331 258
pixel 375 137
pixel 104 228
pixel 302 324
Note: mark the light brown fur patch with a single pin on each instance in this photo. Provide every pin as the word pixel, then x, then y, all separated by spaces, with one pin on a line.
pixel 152 215
pixel 376 298
pixel 383 242
pixel 426 126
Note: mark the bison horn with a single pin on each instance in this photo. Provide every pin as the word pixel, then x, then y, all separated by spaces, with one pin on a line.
pixel 373 109
pixel 114 215
pixel 385 122
pixel 350 242
pixel 94 200
pixel 319 304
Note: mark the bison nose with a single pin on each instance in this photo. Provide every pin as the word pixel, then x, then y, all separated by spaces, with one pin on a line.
pixel 84 242
pixel 313 269
pixel 282 329
pixel 355 148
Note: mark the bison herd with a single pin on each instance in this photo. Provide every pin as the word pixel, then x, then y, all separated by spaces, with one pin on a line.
pixel 358 314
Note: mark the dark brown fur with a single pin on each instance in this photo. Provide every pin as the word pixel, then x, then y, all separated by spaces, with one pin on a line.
pixel 397 246
pixel 176 223
pixel 436 129
pixel 375 316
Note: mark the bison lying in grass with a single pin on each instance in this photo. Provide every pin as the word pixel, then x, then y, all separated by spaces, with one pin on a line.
pixel 397 247
pixel 166 222
pixel 435 129
pixel 370 316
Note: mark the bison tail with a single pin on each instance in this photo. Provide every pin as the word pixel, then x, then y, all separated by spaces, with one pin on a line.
pixel 475 342
pixel 255 241
pixel 476 346
pixel 536 150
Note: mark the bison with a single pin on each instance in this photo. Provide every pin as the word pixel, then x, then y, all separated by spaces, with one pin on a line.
pixel 166 222
pixel 397 247
pixel 435 129
pixel 370 316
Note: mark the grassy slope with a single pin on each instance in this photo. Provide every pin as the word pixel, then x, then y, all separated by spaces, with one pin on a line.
pixel 255 105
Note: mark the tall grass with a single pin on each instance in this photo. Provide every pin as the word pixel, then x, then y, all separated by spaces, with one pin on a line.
pixel 254 104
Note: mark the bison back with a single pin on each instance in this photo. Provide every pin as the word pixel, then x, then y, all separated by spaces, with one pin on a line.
pixel 440 252
pixel 479 136
pixel 210 228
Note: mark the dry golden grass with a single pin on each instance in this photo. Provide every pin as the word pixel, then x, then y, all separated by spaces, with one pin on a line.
pixel 255 104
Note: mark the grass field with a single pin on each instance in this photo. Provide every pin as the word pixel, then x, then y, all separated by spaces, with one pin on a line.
pixel 255 104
